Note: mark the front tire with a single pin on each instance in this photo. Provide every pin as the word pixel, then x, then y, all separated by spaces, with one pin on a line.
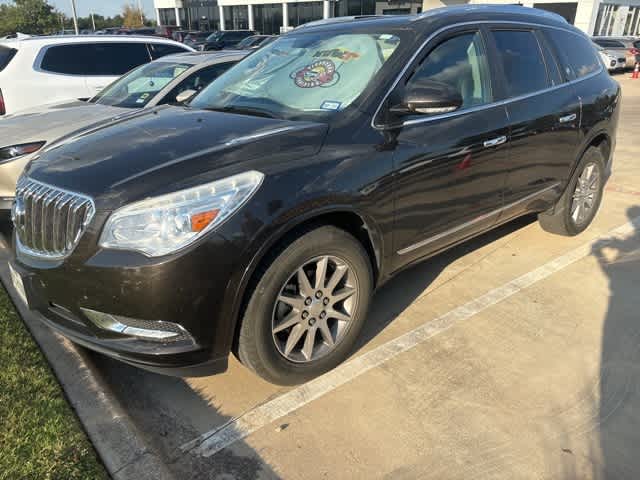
pixel 308 307
pixel 577 207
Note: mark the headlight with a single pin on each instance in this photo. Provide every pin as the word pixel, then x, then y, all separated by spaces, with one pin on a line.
pixel 161 225
pixel 15 151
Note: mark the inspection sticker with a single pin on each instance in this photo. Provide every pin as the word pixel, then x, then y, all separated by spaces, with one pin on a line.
pixel 330 105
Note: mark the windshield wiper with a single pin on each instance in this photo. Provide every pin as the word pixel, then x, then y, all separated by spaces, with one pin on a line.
pixel 244 111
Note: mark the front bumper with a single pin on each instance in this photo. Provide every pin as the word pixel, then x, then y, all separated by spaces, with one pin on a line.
pixel 186 290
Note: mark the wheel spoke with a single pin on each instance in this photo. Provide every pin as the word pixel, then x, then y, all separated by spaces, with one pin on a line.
pixel 287 322
pixel 335 278
pixel 343 294
pixel 321 272
pixel 575 213
pixel 294 337
pixel 326 333
pixel 338 315
pixel 295 302
pixel 303 283
pixel 309 341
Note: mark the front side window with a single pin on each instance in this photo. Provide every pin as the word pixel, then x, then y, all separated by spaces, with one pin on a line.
pixel 307 75
pixel 198 81
pixel 139 87
pixel 159 50
pixel 576 53
pixel 521 60
pixel 461 63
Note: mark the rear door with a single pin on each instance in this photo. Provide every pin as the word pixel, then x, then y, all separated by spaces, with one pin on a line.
pixel 544 117
pixel 449 168
pixel 110 60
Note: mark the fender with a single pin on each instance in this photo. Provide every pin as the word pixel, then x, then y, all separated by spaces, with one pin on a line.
pixel 236 289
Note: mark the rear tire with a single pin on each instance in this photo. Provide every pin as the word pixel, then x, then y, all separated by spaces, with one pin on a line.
pixel 308 307
pixel 578 205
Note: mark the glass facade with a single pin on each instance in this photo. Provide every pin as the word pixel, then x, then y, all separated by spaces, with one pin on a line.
pixel 304 12
pixel 617 20
pixel 267 18
pixel 202 15
pixel 167 16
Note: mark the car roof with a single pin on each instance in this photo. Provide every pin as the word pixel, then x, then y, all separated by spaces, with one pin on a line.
pixel 443 15
pixel 66 39
pixel 197 58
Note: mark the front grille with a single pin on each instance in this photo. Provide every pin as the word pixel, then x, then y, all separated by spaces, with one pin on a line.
pixel 49 221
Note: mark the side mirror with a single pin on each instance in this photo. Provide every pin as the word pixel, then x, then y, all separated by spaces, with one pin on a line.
pixel 185 96
pixel 428 98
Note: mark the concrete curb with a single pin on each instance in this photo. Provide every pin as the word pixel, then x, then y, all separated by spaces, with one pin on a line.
pixel 122 448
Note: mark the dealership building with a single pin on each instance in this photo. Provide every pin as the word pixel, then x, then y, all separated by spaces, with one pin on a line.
pixel 595 17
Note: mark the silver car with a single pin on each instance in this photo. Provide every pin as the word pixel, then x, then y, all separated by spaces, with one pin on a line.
pixel 172 79
pixel 622 47
pixel 611 59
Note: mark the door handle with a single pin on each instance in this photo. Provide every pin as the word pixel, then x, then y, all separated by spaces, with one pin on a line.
pixel 568 118
pixel 495 141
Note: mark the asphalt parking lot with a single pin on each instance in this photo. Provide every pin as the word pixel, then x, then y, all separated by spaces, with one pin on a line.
pixel 512 356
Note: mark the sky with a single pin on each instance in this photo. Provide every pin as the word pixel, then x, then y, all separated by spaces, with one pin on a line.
pixel 102 7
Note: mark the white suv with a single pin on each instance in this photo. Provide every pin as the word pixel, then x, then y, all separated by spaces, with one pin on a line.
pixel 41 70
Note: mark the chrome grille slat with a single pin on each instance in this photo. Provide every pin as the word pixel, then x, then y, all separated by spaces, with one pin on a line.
pixel 49 220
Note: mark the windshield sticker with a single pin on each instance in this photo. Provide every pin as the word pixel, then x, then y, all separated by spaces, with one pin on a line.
pixel 321 73
pixel 143 98
pixel 330 105
pixel 338 53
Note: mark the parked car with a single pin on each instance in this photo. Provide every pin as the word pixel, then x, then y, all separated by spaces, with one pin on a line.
pixel 41 70
pixel 165 31
pixel 226 39
pixel 147 31
pixel 255 41
pixel 620 46
pixel 179 35
pixel 611 59
pixel 196 39
pixel 171 80
pixel 261 218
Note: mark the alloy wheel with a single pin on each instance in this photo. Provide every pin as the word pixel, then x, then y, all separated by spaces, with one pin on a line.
pixel 314 309
pixel 585 196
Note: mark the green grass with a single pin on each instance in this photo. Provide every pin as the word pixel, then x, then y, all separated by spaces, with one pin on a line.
pixel 40 436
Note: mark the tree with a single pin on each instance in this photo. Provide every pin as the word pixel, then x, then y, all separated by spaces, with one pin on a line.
pixel 28 16
pixel 132 17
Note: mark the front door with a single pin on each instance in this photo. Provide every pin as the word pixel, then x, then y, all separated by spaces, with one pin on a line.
pixel 449 168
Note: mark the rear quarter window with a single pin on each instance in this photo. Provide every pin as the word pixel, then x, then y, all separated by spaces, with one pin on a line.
pixel 609 43
pixel 159 50
pixel 6 55
pixel 575 52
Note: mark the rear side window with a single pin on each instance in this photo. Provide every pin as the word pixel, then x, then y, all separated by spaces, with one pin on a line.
pixel 6 55
pixel 576 53
pixel 97 59
pixel 521 60
pixel 159 50
pixel 459 62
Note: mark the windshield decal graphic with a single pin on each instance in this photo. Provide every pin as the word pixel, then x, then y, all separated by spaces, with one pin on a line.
pixel 321 73
pixel 338 53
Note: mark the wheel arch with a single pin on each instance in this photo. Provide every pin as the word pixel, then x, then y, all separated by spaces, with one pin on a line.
pixel 345 218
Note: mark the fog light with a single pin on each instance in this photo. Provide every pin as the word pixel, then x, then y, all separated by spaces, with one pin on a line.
pixel 145 329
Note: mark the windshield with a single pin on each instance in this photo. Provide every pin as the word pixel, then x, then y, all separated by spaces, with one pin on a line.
pixel 300 76
pixel 139 87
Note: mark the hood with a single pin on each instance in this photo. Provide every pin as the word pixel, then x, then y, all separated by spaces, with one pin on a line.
pixel 51 122
pixel 168 148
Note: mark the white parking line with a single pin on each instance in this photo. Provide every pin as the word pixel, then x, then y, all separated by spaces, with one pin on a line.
pixel 215 440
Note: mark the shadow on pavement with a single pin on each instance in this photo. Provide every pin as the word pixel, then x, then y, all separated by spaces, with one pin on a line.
pixel 619 402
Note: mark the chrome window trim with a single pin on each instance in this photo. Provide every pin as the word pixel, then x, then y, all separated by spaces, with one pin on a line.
pixel 499 23
pixel 469 223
